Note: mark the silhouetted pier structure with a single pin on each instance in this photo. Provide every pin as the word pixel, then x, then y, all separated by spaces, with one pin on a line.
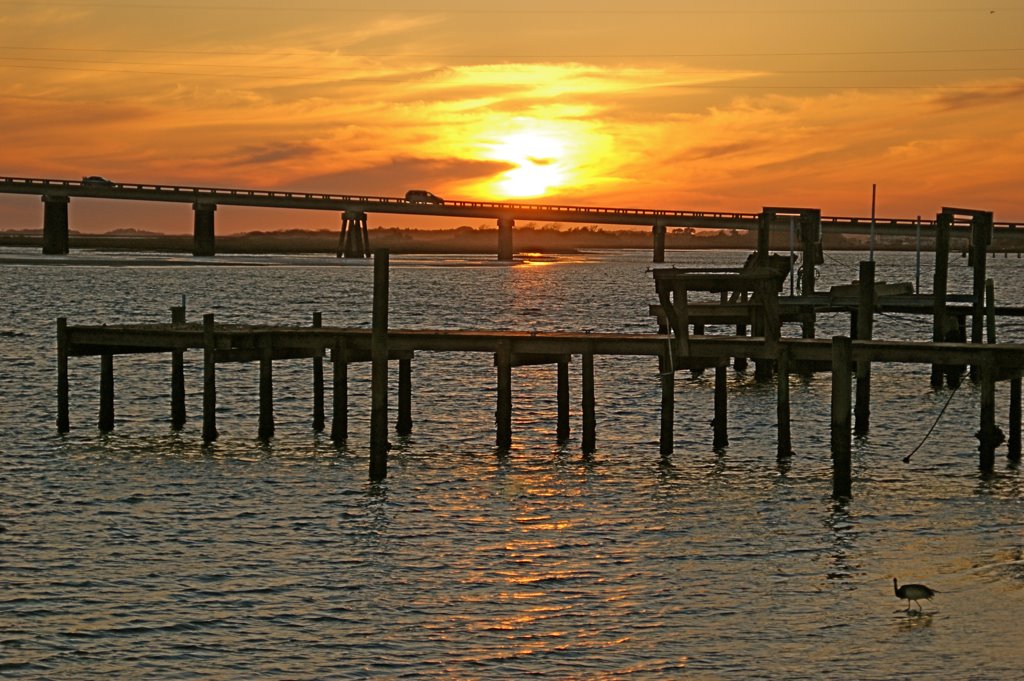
pixel 748 295
pixel 353 239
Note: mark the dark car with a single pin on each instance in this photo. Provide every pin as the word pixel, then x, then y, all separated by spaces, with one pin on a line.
pixel 423 196
pixel 96 181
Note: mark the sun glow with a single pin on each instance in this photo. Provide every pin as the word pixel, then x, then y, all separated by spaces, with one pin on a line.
pixel 538 160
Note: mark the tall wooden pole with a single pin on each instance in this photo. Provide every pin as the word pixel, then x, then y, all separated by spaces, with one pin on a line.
pixel 339 419
pixel 379 370
pixel 403 426
pixel 503 409
pixel 668 406
pixel 63 411
pixel 865 325
pixel 106 421
pixel 209 380
pixel 177 375
pixel 659 242
pixel 266 422
pixel 842 354
pixel 785 440
pixel 562 429
pixel 943 222
pixel 1013 445
pixel 721 422
pixel 318 381
pixel 987 430
pixel 589 415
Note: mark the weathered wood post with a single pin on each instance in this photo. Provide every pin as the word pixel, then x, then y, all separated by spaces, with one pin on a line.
pixel 318 380
pixel 503 409
pixel 209 380
pixel 55 224
pixel 943 222
pixel 266 422
pixel 981 237
pixel 842 354
pixel 106 421
pixel 987 433
pixel 403 426
pixel 990 310
pixel 668 403
pixel 782 410
pixel 659 242
pixel 562 429
pixel 721 422
pixel 379 370
pixel 505 225
pixel 698 330
pixel 203 228
pixel 1013 444
pixel 589 414
pixel 339 419
pixel 178 375
pixel 865 326
pixel 63 411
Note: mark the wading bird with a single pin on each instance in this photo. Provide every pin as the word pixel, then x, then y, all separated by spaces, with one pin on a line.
pixel 912 592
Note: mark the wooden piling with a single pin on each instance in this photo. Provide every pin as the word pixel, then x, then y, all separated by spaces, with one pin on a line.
pixel 943 222
pixel 203 239
pixel 987 432
pixel 63 396
pixel 403 426
pixel 785 440
pixel 503 409
pixel 209 380
pixel 842 354
pixel 740 363
pixel 505 249
pixel 1013 444
pixel 106 420
pixel 721 422
pixel 177 375
pixel 339 418
pixel 379 370
pixel 659 242
pixel 990 310
pixel 318 381
pixel 562 429
pixel 55 224
pixel 668 405
pixel 865 326
pixel 589 415
pixel 266 422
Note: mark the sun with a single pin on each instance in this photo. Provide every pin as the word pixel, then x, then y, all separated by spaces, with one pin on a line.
pixel 538 164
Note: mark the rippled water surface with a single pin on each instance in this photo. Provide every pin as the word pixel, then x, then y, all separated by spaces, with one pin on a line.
pixel 144 554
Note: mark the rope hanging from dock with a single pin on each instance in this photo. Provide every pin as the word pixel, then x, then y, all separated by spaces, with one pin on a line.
pixel 949 399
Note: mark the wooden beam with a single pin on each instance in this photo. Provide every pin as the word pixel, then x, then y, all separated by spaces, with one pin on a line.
pixel 842 355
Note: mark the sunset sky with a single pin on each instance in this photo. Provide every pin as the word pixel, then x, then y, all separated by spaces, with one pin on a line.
pixel 718 105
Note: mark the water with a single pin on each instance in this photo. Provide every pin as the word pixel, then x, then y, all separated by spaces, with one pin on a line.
pixel 144 554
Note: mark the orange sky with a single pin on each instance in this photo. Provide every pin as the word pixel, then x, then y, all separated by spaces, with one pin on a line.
pixel 717 105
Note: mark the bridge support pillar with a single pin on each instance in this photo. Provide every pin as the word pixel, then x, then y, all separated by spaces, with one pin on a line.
pixel 505 238
pixel 202 232
pixel 659 243
pixel 354 241
pixel 55 225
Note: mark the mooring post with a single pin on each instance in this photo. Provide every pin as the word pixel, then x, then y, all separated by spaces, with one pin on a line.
pixel 209 380
pixel 943 222
pixel 63 411
pixel 1013 444
pixel 589 415
pixel 503 409
pixel 668 404
pixel 339 419
pixel 739 362
pixel 659 242
pixel 379 370
pixel 318 380
pixel 785 439
pixel 177 375
pixel 842 355
pixel 987 433
pixel 404 424
pixel 865 326
pixel 265 389
pixel 106 421
pixel 562 429
pixel 721 439
pixel 990 310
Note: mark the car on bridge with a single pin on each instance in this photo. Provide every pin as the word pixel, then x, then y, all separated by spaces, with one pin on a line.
pixel 423 196
pixel 96 181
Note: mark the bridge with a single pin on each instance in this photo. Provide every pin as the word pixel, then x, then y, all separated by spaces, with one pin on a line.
pixel 354 236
